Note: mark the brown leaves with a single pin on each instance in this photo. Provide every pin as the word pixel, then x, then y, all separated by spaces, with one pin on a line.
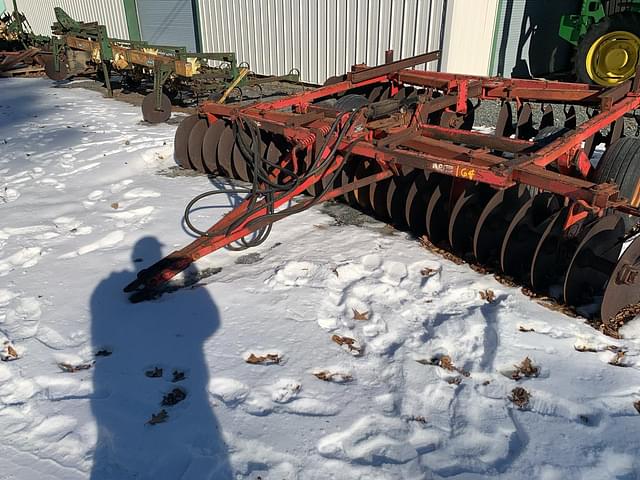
pixel 174 397
pixel 68 368
pixel 612 326
pixel 520 397
pixel 156 372
pixel 428 272
pixel 445 362
pixel 115 205
pixel 160 417
pixel 525 369
pixel 505 280
pixel 418 418
pixel 617 360
pixel 268 359
pixel 336 377
pixel 8 352
pixel 487 295
pixel 426 243
pixel 524 329
pixel 360 315
pixel 349 343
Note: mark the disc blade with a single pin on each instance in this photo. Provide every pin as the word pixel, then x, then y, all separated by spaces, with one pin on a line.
pixel 594 261
pixel 554 252
pixel 396 196
pixel 239 164
pixel 375 93
pixel 523 234
pixel 351 171
pixel 437 216
pixel 242 153
pixel 210 146
pixel 225 150
pixel 378 198
pixel 194 147
pixel 504 125
pixel 623 288
pixel 465 215
pixel 366 169
pixel 181 141
pixel 415 214
pixel 495 220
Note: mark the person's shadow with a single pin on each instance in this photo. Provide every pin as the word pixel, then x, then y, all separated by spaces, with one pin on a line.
pixel 132 343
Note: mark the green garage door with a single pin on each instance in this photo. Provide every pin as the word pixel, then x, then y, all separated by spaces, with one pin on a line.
pixel 167 22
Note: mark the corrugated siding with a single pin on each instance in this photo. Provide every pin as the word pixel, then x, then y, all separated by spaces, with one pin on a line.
pixel 106 12
pixel 322 38
pixel 167 22
pixel 508 35
pixel 469 36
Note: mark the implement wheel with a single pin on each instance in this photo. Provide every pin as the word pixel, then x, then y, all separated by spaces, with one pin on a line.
pixel 608 53
pixel 49 68
pixel 620 164
pixel 153 115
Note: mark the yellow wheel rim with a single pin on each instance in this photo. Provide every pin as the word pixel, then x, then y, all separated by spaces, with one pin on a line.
pixel 613 58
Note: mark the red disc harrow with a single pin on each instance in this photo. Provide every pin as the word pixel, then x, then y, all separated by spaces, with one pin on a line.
pixel 399 143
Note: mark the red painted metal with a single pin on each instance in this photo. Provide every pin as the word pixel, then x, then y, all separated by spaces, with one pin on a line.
pixel 407 139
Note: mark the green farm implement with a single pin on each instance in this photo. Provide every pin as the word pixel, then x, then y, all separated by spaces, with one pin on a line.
pixel 85 48
pixel 20 48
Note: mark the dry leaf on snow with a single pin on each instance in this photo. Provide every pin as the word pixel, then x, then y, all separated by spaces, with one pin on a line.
pixel 8 353
pixel 525 369
pixel 360 315
pixel 68 368
pixel 488 295
pixel 337 377
pixel 268 359
pixel 520 397
pixel 349 343
pixel 160 417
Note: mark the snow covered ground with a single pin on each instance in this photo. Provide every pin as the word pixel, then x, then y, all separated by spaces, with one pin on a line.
pixel 88 196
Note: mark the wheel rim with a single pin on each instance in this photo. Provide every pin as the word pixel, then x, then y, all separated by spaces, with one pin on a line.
pixel 613 58
pixel 635 198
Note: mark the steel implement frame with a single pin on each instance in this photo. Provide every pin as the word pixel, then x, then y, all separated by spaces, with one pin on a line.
pixel 414 143
pixel 476 164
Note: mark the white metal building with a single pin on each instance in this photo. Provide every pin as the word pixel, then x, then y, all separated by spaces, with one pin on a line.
pixel 321 38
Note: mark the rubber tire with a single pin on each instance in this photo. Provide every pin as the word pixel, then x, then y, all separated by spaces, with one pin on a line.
pixel 620 164
pixel 628 21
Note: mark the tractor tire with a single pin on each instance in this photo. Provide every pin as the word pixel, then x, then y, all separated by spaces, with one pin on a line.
pixel 608 53
pixel 620 164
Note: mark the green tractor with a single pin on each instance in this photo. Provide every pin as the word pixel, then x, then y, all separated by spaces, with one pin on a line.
pixel 606 35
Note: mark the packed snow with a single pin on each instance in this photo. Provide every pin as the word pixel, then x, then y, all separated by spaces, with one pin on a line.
pixel 333 350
